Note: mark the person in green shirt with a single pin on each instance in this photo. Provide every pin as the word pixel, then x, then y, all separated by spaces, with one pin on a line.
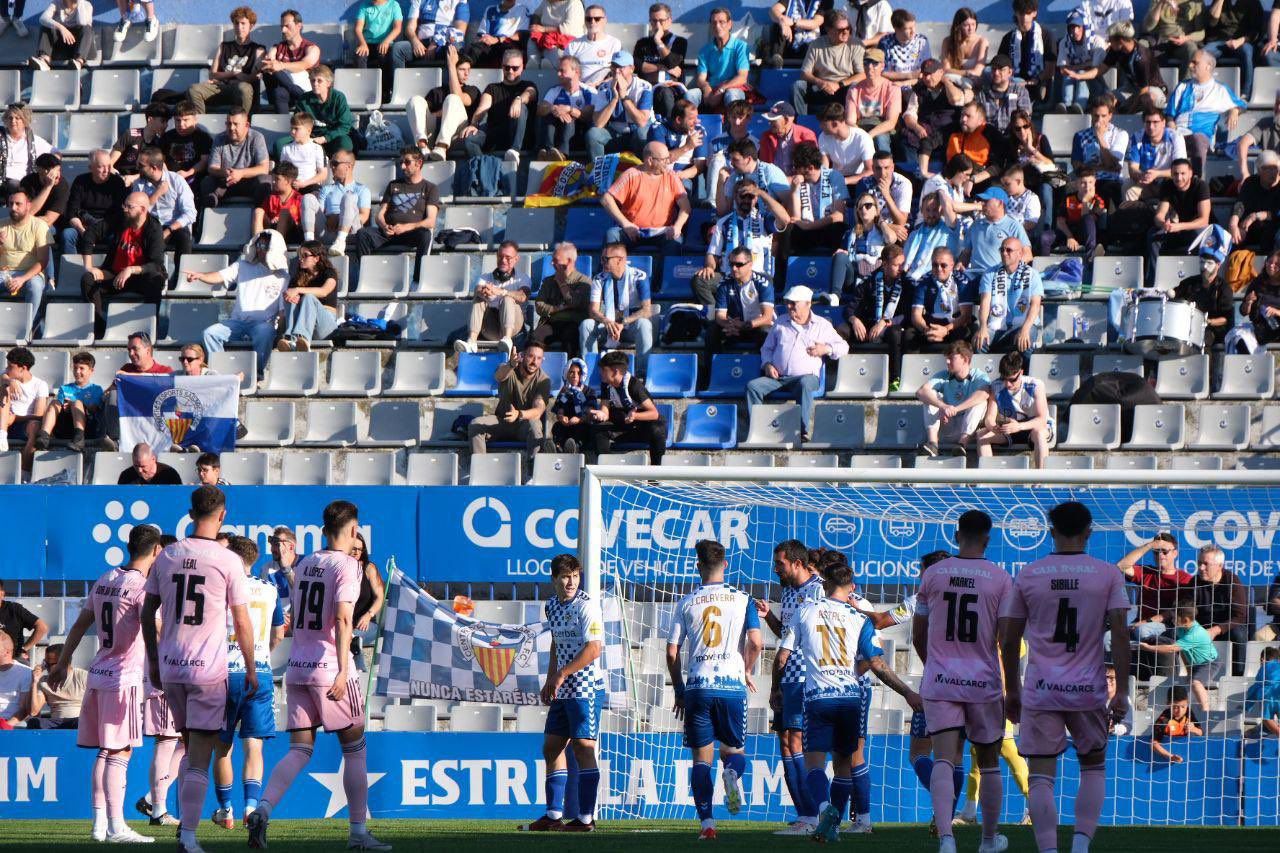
pixel 335 125
pixel 1196 647
pixel 378 25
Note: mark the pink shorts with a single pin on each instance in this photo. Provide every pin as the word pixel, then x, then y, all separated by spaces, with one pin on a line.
pixel 110 719
pixel 198 707
pixel 309 707
pixel 982 722
pixel 1043 733
pixel 156 719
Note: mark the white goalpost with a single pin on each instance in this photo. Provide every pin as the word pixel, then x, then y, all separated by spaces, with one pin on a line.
pixel 638 525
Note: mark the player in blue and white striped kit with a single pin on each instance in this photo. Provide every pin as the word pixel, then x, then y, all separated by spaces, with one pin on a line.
pixel 837 643
pixel 800 585
pixel 573 689
pixel 721 627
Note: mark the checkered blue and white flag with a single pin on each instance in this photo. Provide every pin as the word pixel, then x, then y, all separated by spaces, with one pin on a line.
pixel 430 652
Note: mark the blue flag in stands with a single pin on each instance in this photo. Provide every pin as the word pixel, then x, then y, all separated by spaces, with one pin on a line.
pixel 171 410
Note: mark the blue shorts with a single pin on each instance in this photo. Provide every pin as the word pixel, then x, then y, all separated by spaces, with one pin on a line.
pixel 919 728
pixel 792 716
pixel 255 713
pixel 711 716
pixel 833 725
pixel 576 717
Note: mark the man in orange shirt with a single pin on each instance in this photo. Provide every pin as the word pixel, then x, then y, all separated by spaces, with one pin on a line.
pixel 981 143
pixel 648 203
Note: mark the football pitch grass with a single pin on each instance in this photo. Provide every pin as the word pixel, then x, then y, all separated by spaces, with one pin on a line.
pixel 465 836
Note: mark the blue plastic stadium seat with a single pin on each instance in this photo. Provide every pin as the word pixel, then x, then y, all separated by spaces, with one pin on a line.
pixel 644 263
pixel 812 272
pixel 775 84
pixel 677 276
pixel 810 122
pixel 668 413
pixel 833 313
pixel 585 265
pixel 712 126
pixel 710 426
pixel 584 227
pixel 475 374
pixel 553 364
pixel 673 374
pixel 730 375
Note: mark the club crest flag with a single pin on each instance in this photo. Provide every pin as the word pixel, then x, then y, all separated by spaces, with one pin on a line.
pixel 430 652
pixel 170 410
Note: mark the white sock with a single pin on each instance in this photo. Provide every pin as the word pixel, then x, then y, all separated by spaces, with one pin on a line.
pixel 114 828
pixel 187 837
pixel 585 818
pixel 357 828
pixel 708 824
pixel 308 236
pixel 865 818
pixel 822 807
pixel 100 819
pixel 970 810
pixel 1080 843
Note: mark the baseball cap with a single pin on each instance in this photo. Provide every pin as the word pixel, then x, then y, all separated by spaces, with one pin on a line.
pixel 995 193
pixel 623 57
pixel 874 54
pixel 780 109
pixel 798 293
pixel 1001 61
pixel 1076 18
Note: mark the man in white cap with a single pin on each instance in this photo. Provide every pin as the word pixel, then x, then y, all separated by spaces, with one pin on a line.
pixel 791 358
pixel 1210 291
pixel 623 105
pixel 780 140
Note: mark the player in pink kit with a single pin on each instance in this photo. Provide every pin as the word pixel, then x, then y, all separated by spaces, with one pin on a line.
pixel 323 689
pixel 111 713
pixel 193 584
pixel 1061 602
pixel 955 633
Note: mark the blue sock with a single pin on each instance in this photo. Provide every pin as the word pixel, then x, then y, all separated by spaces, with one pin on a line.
pixel 958 778
pixel 737 762
pixel 924 769
pixel 807 807
pixel 841 789
pixel 795 784
pixel 817 786
pixel 701 785
pixel 556 781
pixel 224 796
pixel 588 789
pixel 571 781
pixel 862 789
pixel 252 793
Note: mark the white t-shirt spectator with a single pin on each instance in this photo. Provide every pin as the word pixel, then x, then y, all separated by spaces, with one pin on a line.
pixel 18 157
pixel 258 291
pixel 309 158
pixel 515 284
pixel 595 56
pixel 850 156
pixel 32 390
pixel 15 682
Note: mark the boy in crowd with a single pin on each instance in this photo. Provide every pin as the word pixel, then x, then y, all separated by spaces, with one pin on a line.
pixel 76 409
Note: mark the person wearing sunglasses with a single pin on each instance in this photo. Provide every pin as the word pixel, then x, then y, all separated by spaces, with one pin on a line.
pixel 1161 587
pixel 437 119
pixel 832 63
pixel 408 214
pixel 501 118
pixel 942 311
pixel 1017 412
pixel 744 311
pixel 660 57
pixel 793 354
pixel 754 220
pixel 1009 303
pixel 595 48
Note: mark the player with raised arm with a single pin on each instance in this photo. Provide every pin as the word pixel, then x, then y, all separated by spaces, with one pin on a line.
pixel 1062 603
pixel 721 627
pixel 254 714
pixel 111 712
pixel 573 690
pixel 193 583
pixel 838 643
pixel 322 687
pixel 800 585
pixel 955 633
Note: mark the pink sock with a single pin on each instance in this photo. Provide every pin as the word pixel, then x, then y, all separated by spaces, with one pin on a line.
pixel 1044 813
pixel 355 780
pixel 195 784
pixel 114 782
pixel 283 774
pixel 1093 788
pixel 942 788
pixel 991 798
pixel 162 772
pixel 99 784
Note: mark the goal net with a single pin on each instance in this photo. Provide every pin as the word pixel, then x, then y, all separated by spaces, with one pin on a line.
pixel 637 542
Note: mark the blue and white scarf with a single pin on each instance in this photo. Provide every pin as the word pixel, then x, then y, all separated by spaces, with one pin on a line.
pixel 809 212
pixel 1007 285
pixel 1036 62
